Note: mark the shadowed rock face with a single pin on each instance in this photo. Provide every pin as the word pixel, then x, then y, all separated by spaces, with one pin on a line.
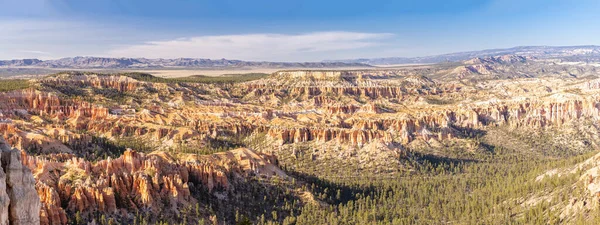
pixel 19 202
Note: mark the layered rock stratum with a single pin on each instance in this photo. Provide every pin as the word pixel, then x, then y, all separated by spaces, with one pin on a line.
pixel 118 146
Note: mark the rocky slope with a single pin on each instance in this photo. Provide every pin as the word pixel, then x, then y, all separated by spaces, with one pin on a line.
pixel 19 202
pixel 573 200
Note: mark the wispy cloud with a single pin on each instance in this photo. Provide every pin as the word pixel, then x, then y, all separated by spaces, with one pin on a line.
pixel 34 52
pixel 48 39
pixel 272 47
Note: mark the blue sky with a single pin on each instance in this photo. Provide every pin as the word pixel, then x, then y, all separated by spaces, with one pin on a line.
pixel 280 30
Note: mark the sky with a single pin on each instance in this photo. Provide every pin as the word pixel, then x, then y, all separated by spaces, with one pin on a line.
pixel 286 30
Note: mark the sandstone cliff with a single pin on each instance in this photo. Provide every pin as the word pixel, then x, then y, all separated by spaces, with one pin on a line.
pixel 19 202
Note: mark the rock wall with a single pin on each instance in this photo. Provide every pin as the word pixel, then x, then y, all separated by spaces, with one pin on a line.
pixel 19 201
pixel 30 102
pixel 443 124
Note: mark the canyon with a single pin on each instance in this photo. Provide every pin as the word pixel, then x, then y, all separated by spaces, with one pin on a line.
pixel 113 147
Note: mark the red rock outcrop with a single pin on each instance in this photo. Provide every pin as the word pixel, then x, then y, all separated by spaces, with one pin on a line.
pixel 438 125
pixel 27 102
pixel 136 181
pixel 120 83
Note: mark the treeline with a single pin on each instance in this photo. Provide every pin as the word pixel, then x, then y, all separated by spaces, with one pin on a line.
pixel 146 77
pixel 484 190
pixel 462 193
pixel 224 79
pixel 13 84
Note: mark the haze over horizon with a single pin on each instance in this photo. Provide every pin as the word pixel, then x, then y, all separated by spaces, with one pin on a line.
pixel 284 31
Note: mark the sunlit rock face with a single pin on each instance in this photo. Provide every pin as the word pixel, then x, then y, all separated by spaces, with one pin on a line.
pixel 346 107
pixel 155 182
pixel 19 201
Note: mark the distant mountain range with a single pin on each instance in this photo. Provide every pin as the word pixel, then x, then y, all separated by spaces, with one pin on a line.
pixel 588 53
pixel 123 63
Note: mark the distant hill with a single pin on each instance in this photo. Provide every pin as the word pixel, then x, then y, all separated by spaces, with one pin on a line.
pixel 122 63
pixel 589 53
